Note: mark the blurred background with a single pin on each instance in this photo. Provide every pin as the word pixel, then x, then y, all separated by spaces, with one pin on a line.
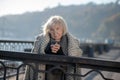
pixel 91 21
pixel 88 20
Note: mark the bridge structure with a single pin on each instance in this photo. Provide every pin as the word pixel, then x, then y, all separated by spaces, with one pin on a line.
pixel 15 55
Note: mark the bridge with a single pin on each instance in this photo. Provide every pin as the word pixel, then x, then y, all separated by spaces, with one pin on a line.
pixel 15 55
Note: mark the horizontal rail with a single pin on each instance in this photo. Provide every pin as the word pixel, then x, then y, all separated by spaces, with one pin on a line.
pixel 83 62
pixel 23 46
pixel 16 41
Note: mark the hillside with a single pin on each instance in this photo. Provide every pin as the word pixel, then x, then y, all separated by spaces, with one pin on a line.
pixel 84 21
pixel 110 28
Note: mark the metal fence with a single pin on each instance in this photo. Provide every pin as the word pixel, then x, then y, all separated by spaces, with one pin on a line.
pixel 15 45
pixel 13 62
pixel 26 46
pixel 82 62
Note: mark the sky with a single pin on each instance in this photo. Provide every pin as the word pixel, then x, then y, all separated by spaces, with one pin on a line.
pixel 21 6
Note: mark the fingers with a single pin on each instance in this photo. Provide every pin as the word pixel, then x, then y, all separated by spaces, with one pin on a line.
pixel 55 48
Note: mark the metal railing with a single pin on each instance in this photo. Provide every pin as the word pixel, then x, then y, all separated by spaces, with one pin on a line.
pixel 8 66
pixel 27 58
pixel 15 45
pixel 22 46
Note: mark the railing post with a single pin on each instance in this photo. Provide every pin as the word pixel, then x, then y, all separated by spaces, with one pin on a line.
pixel 4 68
pixel 90 51
pixel 100 49
pixel 107 47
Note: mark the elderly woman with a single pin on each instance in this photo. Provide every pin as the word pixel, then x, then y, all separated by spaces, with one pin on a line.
pixel 55 40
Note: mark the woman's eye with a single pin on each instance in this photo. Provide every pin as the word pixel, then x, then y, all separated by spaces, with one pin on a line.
pixel 51 29
pixel 57 29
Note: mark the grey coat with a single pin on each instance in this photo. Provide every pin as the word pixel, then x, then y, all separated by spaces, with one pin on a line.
pixel 40 45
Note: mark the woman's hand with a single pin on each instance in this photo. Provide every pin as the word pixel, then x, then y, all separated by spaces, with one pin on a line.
pixel 55 47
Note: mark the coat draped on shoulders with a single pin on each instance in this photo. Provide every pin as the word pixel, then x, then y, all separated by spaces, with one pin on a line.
pixel 39 48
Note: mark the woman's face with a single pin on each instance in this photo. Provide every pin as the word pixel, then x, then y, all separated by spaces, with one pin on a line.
pixel 56 32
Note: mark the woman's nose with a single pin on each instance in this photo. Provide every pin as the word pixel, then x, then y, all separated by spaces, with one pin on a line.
pixel 55 32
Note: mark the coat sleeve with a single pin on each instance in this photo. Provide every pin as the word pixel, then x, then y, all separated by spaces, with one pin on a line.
pixel 74 50
pixel 74 47
pixel 78 48
pixel 29 71
pixel 36 45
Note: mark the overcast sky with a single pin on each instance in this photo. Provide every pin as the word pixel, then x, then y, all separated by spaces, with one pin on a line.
pixel 21 6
